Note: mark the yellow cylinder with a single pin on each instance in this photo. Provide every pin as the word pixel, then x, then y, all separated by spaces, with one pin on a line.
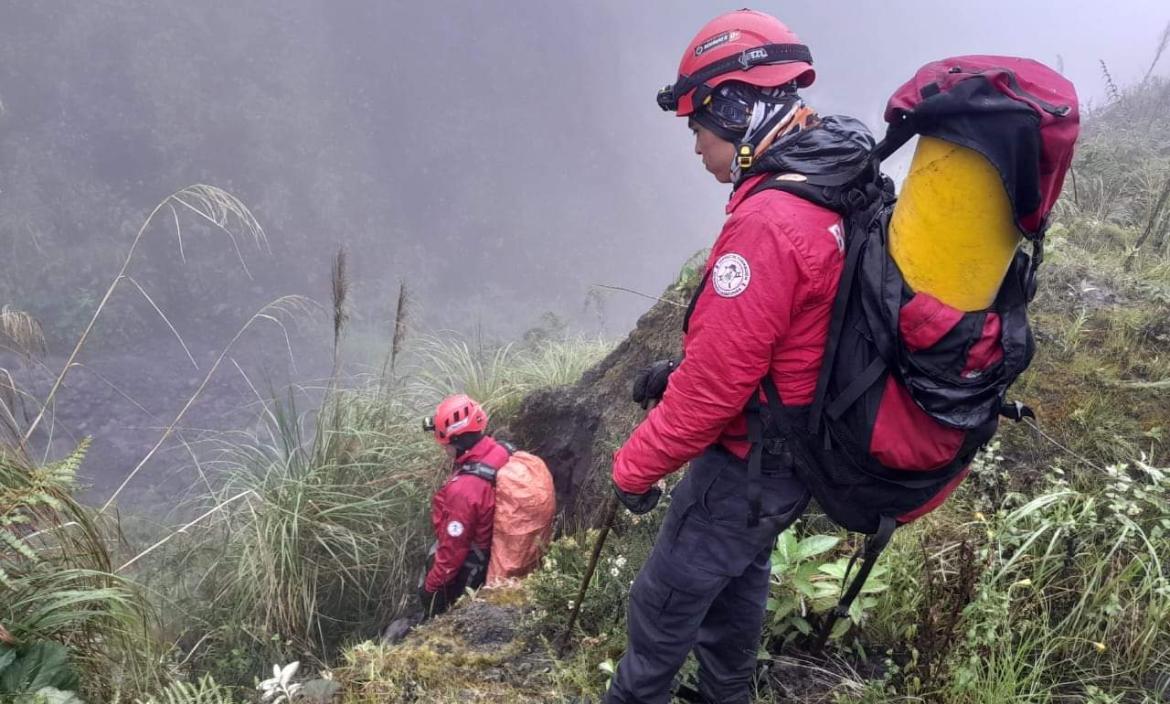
pixel 952 233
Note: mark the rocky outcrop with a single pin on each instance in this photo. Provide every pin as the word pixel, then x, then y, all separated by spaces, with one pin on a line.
pixel 576 429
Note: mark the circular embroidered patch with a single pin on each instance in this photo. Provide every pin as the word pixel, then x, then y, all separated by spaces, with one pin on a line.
pixel 454 529
pixel 731 275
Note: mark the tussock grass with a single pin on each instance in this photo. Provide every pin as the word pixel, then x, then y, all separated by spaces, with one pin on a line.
pixel 500 376
pixel 322 533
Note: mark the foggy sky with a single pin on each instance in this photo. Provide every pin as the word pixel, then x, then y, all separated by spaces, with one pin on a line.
pixel 499 156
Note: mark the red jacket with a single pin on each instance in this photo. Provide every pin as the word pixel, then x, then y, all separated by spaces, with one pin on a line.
pixel 462 513
pixel 764 309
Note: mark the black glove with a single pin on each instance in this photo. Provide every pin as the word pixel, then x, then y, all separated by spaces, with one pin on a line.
pixel 433 603
pixel 639 503
pixel 650 382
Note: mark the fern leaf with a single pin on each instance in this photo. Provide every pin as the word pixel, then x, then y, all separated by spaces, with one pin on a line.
pixel 65 471
pixel 205 691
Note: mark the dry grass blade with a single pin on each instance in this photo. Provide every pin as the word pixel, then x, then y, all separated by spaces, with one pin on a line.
pixel 23 330
pixel 215 206
pixel 277 312
pixel 226 212
pixel 1163 43
pixel 1110 85
pixel 183 529
pixel 398 335
pixel 639 293
pixel 10 403
pixel 165 320
pixel 340 280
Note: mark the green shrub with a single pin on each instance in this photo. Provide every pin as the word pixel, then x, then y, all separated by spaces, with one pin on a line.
pixel 806 586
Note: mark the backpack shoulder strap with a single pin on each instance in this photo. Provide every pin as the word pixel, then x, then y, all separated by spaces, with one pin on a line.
pixel 480 470
pixel 799 186
pixel 686 326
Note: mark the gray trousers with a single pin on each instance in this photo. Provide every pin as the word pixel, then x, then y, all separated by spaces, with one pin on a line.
pixel 705 584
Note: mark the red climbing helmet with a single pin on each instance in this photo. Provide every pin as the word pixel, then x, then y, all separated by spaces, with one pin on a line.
pixel 744 45
pixel 456 415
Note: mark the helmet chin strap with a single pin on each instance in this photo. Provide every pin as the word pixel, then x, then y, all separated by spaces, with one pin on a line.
pixel 771 117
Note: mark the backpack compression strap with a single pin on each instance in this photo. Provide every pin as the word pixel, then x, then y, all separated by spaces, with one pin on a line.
pixel 755 457
pixel 871 550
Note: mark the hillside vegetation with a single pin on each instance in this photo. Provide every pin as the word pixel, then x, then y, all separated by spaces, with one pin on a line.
pixel 1043 580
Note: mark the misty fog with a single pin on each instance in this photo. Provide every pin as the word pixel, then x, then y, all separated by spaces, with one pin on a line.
pixel 500 158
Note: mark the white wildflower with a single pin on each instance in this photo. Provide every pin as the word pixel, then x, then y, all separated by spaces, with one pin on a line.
pixel 280 688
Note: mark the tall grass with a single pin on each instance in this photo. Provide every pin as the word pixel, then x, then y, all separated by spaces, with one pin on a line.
pixel 212 205
pixel 1075 594
pixel 499 376
pixel 329 523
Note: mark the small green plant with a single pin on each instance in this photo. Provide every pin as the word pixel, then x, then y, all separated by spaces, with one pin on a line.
pixel 805 583
pixel 29 669
pixel 280 688
pixel 66 610
pixel 554 586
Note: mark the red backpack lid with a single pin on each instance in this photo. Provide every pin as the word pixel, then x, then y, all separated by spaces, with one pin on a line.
pixel 1020 114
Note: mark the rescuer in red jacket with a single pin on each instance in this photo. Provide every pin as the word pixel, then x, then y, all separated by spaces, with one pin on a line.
pixel 463 509
pixel 762 309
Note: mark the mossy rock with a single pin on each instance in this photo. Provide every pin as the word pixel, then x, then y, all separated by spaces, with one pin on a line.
pixel 474 653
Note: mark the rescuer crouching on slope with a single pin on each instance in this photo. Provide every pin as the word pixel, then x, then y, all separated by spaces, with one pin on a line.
pixel 762 309
pixel 463 509
pixel 493 517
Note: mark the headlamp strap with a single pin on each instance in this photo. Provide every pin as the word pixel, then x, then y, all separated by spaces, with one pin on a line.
pixel 669 96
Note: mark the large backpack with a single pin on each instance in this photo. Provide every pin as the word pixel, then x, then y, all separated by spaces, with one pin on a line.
pixel 525 507
pixel 898 416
